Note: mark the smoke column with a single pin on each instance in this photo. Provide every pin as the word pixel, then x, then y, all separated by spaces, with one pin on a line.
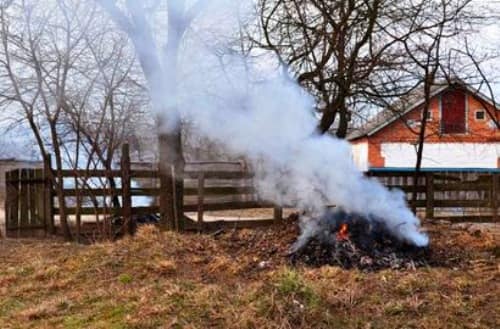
pixel 272 123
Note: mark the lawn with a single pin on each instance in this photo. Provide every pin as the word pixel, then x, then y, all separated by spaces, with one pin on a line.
pixel 241 279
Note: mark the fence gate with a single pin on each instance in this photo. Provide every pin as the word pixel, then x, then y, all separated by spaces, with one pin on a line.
pixel 28 203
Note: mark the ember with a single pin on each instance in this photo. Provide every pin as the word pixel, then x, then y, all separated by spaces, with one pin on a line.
pixel 343 233
pixel 351 240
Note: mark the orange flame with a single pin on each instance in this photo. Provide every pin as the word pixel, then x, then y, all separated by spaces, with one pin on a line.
pixel 343 232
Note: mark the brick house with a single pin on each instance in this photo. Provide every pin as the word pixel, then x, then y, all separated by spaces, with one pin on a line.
pixel 461 132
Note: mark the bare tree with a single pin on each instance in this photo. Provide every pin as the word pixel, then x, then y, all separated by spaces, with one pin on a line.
pixel 79 100
pixel 350 54
pixel 38 64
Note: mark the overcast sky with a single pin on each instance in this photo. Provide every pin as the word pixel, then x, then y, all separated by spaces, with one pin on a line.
pixel 486 41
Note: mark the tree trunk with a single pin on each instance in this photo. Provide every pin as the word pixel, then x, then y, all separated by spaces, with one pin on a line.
pixel 326 121
pixel 421 142
pixel 59 186
pixel 171 167
pixel 343 122
pixel 329 116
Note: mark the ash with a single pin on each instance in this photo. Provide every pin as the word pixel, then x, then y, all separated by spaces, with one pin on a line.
pixel 368 245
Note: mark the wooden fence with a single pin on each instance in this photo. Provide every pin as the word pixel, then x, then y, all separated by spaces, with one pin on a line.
pixel 27 202
pixel 90 195
pixel 31 204
pixel 457 195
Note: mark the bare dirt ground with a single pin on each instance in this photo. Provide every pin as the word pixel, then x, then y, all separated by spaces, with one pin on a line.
pixel 242 279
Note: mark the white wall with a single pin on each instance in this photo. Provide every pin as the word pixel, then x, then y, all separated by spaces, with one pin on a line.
pixel 443 155
pixel 360 155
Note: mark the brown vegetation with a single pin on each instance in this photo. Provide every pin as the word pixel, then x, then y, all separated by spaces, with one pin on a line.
pixel 240 279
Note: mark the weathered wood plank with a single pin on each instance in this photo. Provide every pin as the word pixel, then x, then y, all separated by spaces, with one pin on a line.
pixel 466 219
pixel 418 203
pixel 462 203
pixel 429 195
pixel 109 211
pixel 48 195
pixel 39 198
pixel 96 192
pixel 223 190
pixel 144 174
pixel 32 191
pixel 392 173
pixel 215 225
pixel 201 191
pixel 493 196
pixel 408 188
pixel 145 210
pixel 24 199
pixel 443 177
pixel 220 174
pixel 29 180
pixel 465 186
pixel 228 206
pixel 277 214
pixel 90 173
pixel 126 195
pixel 12 198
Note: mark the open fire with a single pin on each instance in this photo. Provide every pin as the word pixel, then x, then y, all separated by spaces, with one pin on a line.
pixel 352 240
pixel 343 233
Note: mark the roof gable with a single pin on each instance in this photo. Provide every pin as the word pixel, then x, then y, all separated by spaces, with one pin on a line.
pixel 389 115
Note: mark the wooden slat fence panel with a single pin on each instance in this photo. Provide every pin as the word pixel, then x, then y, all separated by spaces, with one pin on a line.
pixel 452 190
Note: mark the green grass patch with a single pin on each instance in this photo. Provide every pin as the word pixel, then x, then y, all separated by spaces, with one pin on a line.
pixel 125 278
pixel 291 283
pixel 10 305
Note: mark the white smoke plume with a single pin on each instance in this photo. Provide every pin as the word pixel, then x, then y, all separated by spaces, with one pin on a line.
pixel 273 125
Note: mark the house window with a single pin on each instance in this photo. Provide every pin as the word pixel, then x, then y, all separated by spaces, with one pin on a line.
pixel 429 115
pixel 480 115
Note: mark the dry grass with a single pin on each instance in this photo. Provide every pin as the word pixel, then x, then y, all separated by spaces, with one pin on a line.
pixel 239 279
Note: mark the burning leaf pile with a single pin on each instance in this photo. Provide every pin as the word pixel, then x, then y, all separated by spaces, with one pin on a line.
pixel 354 241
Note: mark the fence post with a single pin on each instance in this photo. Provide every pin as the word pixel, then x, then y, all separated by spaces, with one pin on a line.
pixel 163 199
pixel 277 214
pixel 8 201
pixel 78 212
pixel 168 216
pixel 39 199
pixel 31 186
pixel 48 205
pixel 429 195
pixel 494 196
pixel 126 195
pixel 201 197
pixel 176 223
pixel 15 175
